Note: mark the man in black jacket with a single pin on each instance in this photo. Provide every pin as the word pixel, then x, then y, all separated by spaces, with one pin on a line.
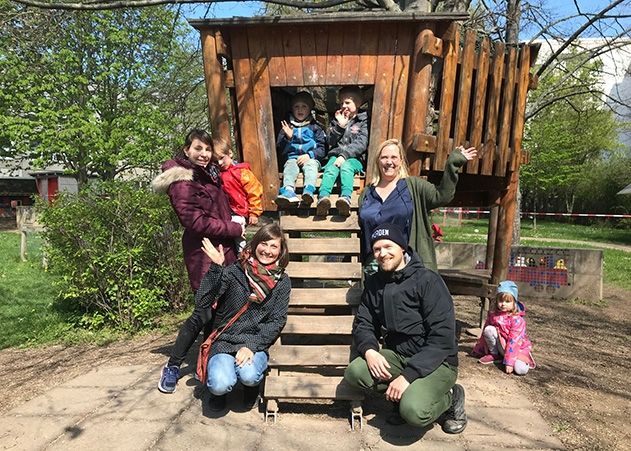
pixel 410 306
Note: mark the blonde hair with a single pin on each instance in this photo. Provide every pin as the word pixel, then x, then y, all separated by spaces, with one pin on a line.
pixel 374 165
pixel 506 297
pixel 221 147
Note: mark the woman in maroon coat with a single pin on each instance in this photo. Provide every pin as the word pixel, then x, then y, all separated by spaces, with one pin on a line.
pixel 193 184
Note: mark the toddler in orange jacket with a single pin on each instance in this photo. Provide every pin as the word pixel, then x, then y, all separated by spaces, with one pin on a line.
pixel 245 192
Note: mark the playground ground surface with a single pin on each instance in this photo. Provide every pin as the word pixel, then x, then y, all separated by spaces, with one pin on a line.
pixel 579 387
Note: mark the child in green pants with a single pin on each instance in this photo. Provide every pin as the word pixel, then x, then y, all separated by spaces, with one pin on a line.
pixel 348 141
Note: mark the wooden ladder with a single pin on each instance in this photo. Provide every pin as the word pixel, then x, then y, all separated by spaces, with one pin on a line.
pixel 309 358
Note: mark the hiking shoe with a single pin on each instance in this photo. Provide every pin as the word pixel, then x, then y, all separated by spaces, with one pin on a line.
pixel 323 206
pixel 217 403
pixel 168 380
pixel 489 358
pixel 307 195
pixel 454 420
pixel 286 198
pixel 343 206
pixel 250 397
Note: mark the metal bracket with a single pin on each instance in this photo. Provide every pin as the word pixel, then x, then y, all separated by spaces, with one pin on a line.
pixel 271 411
pixel 357 415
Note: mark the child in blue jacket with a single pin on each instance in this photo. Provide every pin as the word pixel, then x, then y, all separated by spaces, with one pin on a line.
pixel 301 143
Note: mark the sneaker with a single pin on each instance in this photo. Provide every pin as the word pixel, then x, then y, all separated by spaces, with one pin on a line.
pixel 168 380
pixel 323 206
pixel 343 206
pixel 307 195
pixel 250 397
pixel 489 358
pixel 217 403
pixel 286 198
pixel 454 420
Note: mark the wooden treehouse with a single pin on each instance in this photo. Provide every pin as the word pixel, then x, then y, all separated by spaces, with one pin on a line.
pixel 426 82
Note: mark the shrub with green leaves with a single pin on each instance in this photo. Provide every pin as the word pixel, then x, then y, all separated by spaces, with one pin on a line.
pixel 117 248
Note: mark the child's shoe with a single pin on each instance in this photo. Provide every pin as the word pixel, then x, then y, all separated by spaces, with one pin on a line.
pixel 323 206
pixel 343 206
pixel 489 358
pixel 286 198
pixel 168 379
pixel 307 195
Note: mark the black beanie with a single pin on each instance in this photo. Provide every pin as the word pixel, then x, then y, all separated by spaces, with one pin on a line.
pixel 389 231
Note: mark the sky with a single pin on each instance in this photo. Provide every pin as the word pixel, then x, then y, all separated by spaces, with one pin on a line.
pixel 556 8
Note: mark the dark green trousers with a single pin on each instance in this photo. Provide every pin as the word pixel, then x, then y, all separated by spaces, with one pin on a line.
pixel 423 401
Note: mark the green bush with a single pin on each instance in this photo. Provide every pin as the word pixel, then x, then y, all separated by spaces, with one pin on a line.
pixel 117 248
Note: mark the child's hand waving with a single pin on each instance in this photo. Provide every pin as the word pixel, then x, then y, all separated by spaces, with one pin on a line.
pixel 215 254
pixel 287 130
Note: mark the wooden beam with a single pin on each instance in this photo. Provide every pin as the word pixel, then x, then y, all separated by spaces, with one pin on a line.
pixel 479 100
pixel 319 325
pixel 305 355
pixel 464 90
pixel 432 45
pixel 451 49
pixel 506 112
pixel 519 117
pixel 310 74
pixel 215 86
pixel 506 216
pixel 324 270
pixel 313 224
pixel 322 246
pixel 415 125
pixel 293 58
pixel 325 297
pixel 310 387
pixel 492 112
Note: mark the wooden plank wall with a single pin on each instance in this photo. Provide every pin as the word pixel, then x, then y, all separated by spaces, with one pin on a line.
pixel 480 102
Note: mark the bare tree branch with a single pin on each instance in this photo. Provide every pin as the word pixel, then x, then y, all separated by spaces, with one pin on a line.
pixel 119 4
pixel 576 34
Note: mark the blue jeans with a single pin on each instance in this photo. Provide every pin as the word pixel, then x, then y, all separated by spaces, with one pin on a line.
pixel 223 372
pixel 291 171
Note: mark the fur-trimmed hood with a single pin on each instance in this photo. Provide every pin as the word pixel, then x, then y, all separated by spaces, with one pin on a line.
pixel 175 173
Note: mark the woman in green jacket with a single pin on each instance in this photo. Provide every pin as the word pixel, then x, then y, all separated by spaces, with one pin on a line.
pixel 394 196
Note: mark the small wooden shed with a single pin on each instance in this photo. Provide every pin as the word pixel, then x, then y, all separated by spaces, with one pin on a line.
pixel 428 83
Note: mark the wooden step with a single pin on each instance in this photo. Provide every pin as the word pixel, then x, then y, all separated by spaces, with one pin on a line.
pixel 310 387
pixel 322 246
pixel 323 270
pixel 305 355
pixel 309 223
pixel 325 297
pixel 358 181
pixel 308 324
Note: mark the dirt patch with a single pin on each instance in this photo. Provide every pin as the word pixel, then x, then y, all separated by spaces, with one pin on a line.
pixel 579 385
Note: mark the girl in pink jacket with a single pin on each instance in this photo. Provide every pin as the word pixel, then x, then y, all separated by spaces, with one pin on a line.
pixel 504 335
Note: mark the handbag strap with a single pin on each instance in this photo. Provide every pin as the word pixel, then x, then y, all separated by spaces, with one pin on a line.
pixel 218 332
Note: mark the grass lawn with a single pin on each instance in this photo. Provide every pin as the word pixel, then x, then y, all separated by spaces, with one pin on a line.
pixel 27 300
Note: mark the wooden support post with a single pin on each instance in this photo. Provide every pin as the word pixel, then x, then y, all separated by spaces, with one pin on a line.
pixel 506 215
pixel 418 97
pixel 215 85
pixel 23 247
pixel 492 231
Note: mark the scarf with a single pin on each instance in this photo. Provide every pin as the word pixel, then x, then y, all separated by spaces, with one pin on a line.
pixel 262 279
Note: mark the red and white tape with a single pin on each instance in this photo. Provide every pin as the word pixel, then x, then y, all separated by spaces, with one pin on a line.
pixel 536 213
